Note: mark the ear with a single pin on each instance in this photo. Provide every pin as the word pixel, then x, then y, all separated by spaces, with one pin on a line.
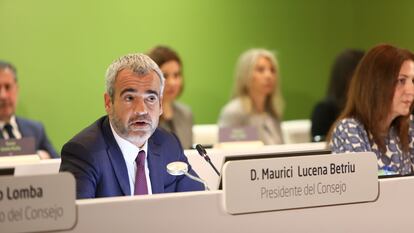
pixel 108 103
pixel 161 111
pixel 17 93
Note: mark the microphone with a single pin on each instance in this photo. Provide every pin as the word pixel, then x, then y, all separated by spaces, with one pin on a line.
pixel 180 168
pixel 203 154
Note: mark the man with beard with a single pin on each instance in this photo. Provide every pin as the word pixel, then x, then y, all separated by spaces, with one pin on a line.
pixel 12 126
pixel 124 153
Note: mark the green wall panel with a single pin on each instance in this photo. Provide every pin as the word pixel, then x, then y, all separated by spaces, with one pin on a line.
pixel 62 48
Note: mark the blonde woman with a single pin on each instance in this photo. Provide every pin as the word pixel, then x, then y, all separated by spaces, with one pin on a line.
pixel 256 97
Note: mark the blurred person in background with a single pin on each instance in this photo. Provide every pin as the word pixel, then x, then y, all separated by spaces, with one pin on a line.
pixel 13 126
pixel 326 111
pixel 177 117
pixel 257 99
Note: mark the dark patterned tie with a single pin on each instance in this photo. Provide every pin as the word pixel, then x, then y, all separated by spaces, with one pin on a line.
pixel 9 130
pixel 140 178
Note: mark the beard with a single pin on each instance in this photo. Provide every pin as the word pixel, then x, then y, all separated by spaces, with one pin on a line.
pixel 137 135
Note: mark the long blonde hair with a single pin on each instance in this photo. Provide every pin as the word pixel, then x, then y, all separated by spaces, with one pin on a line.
pixel 243 74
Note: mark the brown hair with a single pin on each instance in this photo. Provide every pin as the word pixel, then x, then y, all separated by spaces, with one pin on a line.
pixel 163 54
pixel 371 93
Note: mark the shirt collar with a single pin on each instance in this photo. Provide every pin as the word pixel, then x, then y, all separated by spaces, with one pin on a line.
pixel 129 150
pixel 12 122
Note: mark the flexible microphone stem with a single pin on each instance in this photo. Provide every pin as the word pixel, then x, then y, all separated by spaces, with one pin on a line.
pixel 179 168
pixel 212 165
pixel 201 151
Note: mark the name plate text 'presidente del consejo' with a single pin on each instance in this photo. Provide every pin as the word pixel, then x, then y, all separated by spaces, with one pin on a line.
pixel 295 182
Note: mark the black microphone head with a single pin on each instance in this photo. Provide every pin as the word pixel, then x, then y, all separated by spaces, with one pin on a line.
pixel 203 154
pixel 201 150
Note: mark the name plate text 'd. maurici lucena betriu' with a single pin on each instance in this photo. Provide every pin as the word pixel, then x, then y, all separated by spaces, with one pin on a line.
pixel 258 185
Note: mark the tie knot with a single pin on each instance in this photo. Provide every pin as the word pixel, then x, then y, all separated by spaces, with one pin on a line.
pixel 8 127
pixel 9 130
pixel 140 160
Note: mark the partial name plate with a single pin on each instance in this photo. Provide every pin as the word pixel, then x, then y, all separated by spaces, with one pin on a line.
pixel 37 203
pixel 22 146
pixel 296 182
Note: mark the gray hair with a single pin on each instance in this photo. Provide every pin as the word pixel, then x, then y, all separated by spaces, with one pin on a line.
pixel 243 74
pixel 4 65
pixel 139 63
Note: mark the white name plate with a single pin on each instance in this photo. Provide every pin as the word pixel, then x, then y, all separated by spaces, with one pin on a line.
pixel 295 182
pixel 37 203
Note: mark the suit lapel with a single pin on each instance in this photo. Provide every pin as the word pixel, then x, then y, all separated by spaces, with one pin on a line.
pixel 155 165
pixel 116 158
pixel 24 131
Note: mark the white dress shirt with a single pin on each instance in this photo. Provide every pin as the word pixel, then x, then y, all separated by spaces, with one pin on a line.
pixel 130 153
pixel 15 128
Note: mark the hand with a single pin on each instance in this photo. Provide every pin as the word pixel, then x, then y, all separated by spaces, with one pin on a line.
pixel 43 154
